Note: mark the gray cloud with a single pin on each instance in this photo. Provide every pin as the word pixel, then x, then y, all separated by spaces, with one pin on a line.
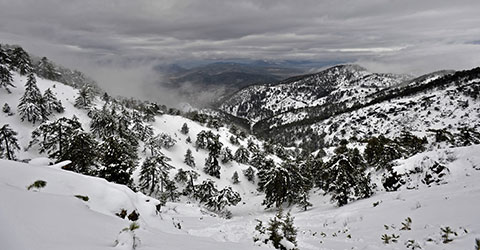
pixel 403 36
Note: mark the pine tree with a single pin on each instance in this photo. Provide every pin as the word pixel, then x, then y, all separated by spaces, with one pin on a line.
pixel 189 160
pixel 211 166
pixel 20 61
pixel 205 190
pixel 344 177
pixel 53 137
pixel 242 155
pixel 141 130
pixel 235 178
pixel 8 142
pixel 281 184
pixel 119 159
pixel 85 97
pixel 171 190
pixel 6 79
pixel 82 149
pixel 154 174
pixel 184 129
pixel 46 69
pixel 187 177
pixel 249 173
pixel 281 232
pixel 106 123
pixel 51 102
pixel 166 140
pixel 32 105
pixel 226 155
pixel 225 197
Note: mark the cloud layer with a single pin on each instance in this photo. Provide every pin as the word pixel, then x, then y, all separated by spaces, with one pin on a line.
pixel 401 36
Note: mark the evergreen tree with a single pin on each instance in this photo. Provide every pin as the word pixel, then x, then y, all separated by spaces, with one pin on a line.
pixel 242 155
pixel 211 166
pixel 103 123
pixel 189 160
pixel 235 178
pixel 141 130
pixel 32 106
pixel 225 197
pixel 8 142
pixel 7 110
pixel 53 137
pixel 166 140
pixel 20 61
pixel 171 190
pixel 281 232
pixel 188 140
pixel 381 151
pixel 187 177
pixel 226 155
pixel 249 173
pixel 184 129
pixel 85 97
pixel 82 149
pixel 46 69
pixel 119 159
pixel 205 190
pixel 51 102
pixel 252 146
pixel 344 177
pixel 281 184
pixel 6 79
pixel 154 174
pixel 234 140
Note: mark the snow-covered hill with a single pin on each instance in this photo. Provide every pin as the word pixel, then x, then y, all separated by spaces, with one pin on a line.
pixel 53 218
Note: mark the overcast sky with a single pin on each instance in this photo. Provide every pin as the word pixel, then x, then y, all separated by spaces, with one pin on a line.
pixel 401 36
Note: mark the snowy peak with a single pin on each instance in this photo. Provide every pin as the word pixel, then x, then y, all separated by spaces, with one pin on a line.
pixel 335 84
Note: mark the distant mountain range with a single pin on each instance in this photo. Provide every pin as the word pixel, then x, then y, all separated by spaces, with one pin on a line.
pixel 221 79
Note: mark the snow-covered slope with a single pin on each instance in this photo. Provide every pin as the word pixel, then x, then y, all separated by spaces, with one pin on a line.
pixel 52 218
pixel 336 84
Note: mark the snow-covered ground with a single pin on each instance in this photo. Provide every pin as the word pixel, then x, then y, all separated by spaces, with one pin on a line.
pixel 52 218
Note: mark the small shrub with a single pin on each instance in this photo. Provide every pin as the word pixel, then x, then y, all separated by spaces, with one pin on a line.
pixel 446 233
pixel 407 225
pixel 387 238
pixel 412 244
pixel 477 244
pixel 37 184
pixel 122 214
pixel 82 197
pixel 133 216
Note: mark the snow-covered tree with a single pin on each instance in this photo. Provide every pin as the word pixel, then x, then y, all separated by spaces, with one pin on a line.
pixel 166 140
pixel 189 160
pixel 119 159
pixel 242 155
pixel 235 178
pixel 85 97
pixel 154 174
pixel 249 173
pixel 344 177
pixel 46 69
pixel 226 155
pixel 225 197
pixel 141 130
pixel 82 149
pixel 205 190
pixel 53 137
pixel 187 177
pixel 51 102
pixel 281 183
pixel 6 79
pixel 20 61
pixel 8 142
pixel 32 106
pixel 280 232
pixel 184 129
pixel 211 166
